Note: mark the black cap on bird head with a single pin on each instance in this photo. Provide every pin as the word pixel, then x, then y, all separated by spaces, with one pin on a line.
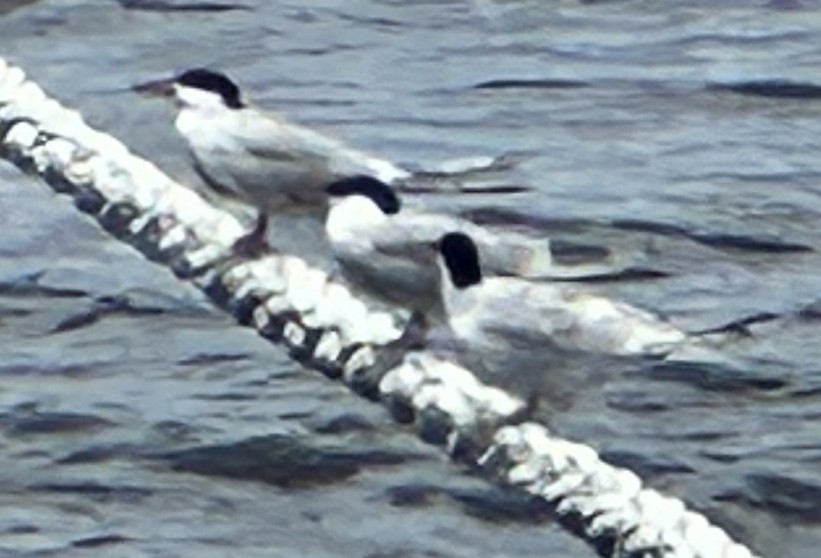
pixel 377 191
pixel 461 258
pixel 209 80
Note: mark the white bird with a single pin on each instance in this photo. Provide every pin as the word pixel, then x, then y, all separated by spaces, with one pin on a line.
pixel 383 247
pixel 258 157
pixel 501 324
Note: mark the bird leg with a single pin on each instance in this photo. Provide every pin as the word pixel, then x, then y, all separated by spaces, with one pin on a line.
pixel 254 244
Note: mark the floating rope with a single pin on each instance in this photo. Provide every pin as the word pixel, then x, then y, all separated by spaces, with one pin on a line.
pixel 326 327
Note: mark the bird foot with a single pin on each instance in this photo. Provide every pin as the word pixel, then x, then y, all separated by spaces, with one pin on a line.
pixel 253 245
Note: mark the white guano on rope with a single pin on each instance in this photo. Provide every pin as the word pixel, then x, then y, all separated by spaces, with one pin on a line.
pixel 325 326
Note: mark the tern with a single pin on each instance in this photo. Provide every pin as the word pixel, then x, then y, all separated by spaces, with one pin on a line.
pixel 545 337
pixel 382 246
pixel 564 315
pixel 257 157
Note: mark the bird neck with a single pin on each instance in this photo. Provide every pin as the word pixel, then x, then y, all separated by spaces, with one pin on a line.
pixel 207 128
pixel 451 294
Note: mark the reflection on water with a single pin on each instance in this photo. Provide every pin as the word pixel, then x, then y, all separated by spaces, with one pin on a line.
pixel 681 136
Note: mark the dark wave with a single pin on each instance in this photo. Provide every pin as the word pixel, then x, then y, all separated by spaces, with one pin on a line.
pixel 491 216
pixel 775 88
pixel 100 454
pixel 167 6
pixel 206 358
pixel 497 216
pixel 282 461
pixel 741 326
pixel 99 540
pixel 515 83
pixel 810 312
pixel 748 243
pixel 647 466
pixel 37 422
pixel 628 274
pixel 713 377
pixel 370 21
pixel 433 188
pixel 788 498
pixel 132 494
pixel 30 286
pixel 724 241
pixel 107 305
pixel 493 505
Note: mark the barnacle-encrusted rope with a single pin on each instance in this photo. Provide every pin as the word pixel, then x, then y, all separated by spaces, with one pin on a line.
pixel 326 327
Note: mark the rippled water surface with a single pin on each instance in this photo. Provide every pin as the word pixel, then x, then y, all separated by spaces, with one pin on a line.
pixel 136 420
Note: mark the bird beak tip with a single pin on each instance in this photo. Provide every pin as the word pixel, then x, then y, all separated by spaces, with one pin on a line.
pixel 155 88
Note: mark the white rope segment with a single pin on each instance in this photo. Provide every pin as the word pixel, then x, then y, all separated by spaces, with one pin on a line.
pixel 327 328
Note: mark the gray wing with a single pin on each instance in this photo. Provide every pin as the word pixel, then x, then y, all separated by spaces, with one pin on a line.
pixel 501 252
pixel 399 266
pixel 260 163
pixel 288 142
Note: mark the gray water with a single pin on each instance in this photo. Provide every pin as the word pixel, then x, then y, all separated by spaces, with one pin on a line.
pixel 136 420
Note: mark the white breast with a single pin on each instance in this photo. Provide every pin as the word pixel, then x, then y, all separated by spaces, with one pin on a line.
pixel 207 130
pixel 350 222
